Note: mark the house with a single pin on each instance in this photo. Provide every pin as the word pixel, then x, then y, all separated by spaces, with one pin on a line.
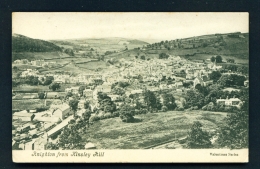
pixel 88 93
pixel 40 143
pixel 73 90
pixel 48 119
pixel 178 84
pixel 114 97
pixel 101 88
pixel 203 80
pixel 229 102
pixel 81 104
pixel 29 145
pixel 23 116
pixel 61 110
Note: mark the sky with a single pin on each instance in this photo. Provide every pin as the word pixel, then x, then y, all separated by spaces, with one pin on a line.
pixel 146 25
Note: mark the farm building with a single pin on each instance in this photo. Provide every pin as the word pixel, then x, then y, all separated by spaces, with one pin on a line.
pixel 61 110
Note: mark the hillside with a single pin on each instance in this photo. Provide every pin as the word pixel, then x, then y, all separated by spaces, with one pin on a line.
pixel 233 44
pixel 22 43
pixel 229 46
pixel 149 129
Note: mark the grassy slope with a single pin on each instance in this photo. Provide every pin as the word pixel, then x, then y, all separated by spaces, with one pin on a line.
pixel 155 128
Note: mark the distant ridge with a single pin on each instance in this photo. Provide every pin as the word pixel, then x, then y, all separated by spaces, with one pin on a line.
pixel 21 43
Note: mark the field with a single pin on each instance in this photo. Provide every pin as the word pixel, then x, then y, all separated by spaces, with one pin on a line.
pixel 93 65
pixel 30 104
pixel 149 129
pixel 37 55
pixel 31 89
pixel 24 66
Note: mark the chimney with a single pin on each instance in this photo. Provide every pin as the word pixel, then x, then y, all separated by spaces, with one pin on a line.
pixel 234 96
pixel 227 97
pixel 220 98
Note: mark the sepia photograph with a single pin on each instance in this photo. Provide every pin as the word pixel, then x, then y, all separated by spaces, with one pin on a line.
pixel 130 86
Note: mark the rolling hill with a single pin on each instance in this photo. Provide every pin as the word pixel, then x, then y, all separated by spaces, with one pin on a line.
pixel 229 45
pixel 27 48
pixel 22 43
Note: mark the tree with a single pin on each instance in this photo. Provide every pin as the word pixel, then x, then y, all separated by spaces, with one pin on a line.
pixel 118 91
pixel 163 56
pixel 51 146
pixel 194 98
pixel 32 80
pixel 202 89
pixel 215 75
pixel 69 94
pixel 197 138
pixel 81 89
pixel 54 86
pixel 70 138
pixel 126 114
pixel 74 105
pixel 218 59
pixel 238 79
pixel 86 115
pixel 212 59
pixel 169 101
pixel 41 95
pixel 243 69
pixel 149 99
pixel 225 81
pixel 48 80
pixel 143 57
pixel 86 105
pixel 234 133
pixel 105 103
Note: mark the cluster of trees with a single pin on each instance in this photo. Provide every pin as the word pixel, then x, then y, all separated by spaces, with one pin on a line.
pixel 105 103
pixel 205 97
pixel 71 136
pixel 163 56
pixel 30 80
pixel 231 60
pixel 24 44
pixel 54 86
pixel 217 59
pixel 235 68
pixel 197 138
pixel 231 80
pixel 232 134
pixel 120 84
pixel 109 52
pixel 69 52
pixel 215 75
pixel 33 80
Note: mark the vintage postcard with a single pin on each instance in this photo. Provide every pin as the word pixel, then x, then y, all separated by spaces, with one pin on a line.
pixel 130 87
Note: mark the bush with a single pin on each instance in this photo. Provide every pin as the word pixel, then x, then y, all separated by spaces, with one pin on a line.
pixel 107 115
pixel 102 117
pixel 164 108
pixel 94 118
pixel 179 109
pixel 228 108
pixel 204 108
pixel 115 114
pixel 143 111
pixel 126 118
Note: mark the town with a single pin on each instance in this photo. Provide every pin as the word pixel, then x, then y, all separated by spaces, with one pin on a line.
pixel 135 86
